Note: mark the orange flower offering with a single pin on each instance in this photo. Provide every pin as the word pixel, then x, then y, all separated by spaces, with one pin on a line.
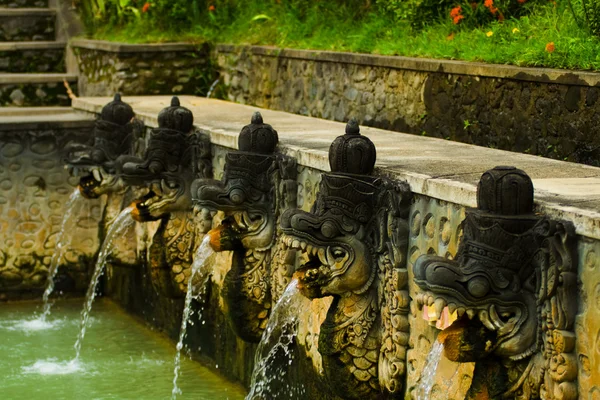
pixel 211 8
pixel 489 4
pixel 550 47
pixel 146 7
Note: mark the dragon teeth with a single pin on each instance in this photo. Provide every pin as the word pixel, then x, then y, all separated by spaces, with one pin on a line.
pixel 470 313
pixel 303 245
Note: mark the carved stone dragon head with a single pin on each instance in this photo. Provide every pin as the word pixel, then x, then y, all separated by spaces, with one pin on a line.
pixel 116 136
pixel 334 236
pixel 354 243
pixel 498 284
pixel 247 196
pixel 174 157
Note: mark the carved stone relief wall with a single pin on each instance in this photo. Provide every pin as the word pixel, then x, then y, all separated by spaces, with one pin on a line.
pixel 435 228
pixel 34 190
pixel 587 323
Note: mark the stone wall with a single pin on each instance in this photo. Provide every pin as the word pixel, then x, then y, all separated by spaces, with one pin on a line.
pixel 23 3
pixel 27 27
pixel 34 191
pixel 545 112
pixel 106 68
pixel 33 60
pixel 35 91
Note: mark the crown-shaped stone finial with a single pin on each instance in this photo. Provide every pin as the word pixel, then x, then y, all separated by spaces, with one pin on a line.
pixel 258 137
pixel 352 153
pixel 505 191
pixel 117 112
pixel 176 117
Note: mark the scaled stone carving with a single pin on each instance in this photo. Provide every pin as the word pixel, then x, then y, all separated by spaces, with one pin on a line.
pixel 117 135
pixel 354 244
pixel 256 185
pixel 175 156
pixel 513 285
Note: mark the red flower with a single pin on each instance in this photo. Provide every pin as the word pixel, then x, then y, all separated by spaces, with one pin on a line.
pixel 489 4
pixel 211 8
pixel 146 7
pixel 550 47
pixel 455 14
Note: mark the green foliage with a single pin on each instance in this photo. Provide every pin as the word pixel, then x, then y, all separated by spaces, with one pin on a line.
pixel 587 11
pixel 361 26
pixel 417 13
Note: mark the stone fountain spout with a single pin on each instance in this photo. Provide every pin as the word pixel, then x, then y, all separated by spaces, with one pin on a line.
pixel 253 190
pixel 176 155
pixel 117 136
pixel 354 244
pixel 513 287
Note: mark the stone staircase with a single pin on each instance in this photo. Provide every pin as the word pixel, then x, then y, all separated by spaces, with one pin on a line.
pixel 32 61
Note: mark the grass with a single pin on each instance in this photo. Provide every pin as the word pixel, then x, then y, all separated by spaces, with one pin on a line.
pixel 328 26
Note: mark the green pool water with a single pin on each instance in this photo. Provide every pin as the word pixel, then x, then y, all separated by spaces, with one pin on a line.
pixel 121 359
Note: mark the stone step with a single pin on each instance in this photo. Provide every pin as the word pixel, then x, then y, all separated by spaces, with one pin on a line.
pixel 23 3
pixel 33 90
pixel 23 57
pixel 27 24
pixel 40 118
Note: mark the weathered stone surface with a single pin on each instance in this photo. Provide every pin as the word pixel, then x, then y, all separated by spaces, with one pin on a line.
pixel 23 60
pixel 23 3
pixel 551 113
pixel 29 94
pixel 107 68
pixel 34 189
pixel 23 25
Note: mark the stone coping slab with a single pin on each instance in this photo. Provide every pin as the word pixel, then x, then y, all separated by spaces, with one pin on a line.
pixel 40 118
pixel 36 78
pixel 117 47
pixel 38 45
pixel 26 12
pixel 547 75
pixel 436 168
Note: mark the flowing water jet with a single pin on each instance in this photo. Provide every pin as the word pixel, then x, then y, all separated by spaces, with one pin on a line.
pixel 200 268
pixel 429 371
pixel 212 88
pixel 122 222
pixel 74 201
pixel 276 341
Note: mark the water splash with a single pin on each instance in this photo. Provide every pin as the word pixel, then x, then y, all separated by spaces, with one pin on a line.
pixel 212 88
pixel 276 343
pixel 429 371
pixel 53 367
pixel 73 204
pixel 29 326
pixel 200 269
pixel 122 222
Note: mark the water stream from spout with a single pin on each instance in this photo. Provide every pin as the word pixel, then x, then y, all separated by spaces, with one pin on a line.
pixel 212 88
pixel 275 343
pixel 122 222
pixel 429 371
pixel 201 269
pixel 72 205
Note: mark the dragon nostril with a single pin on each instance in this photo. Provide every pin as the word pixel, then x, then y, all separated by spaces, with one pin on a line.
pixel 237 196
pixel 478 287
pixel 328 229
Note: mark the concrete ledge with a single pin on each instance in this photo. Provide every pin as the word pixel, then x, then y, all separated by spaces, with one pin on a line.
pixel 103 45
pixel 41 45
pixel 546 75
pixel 7 79
pixel 436 168
pixel 26 12
pixel 40 118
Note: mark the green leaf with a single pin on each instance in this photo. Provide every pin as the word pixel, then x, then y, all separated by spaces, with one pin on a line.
pixel 260 17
